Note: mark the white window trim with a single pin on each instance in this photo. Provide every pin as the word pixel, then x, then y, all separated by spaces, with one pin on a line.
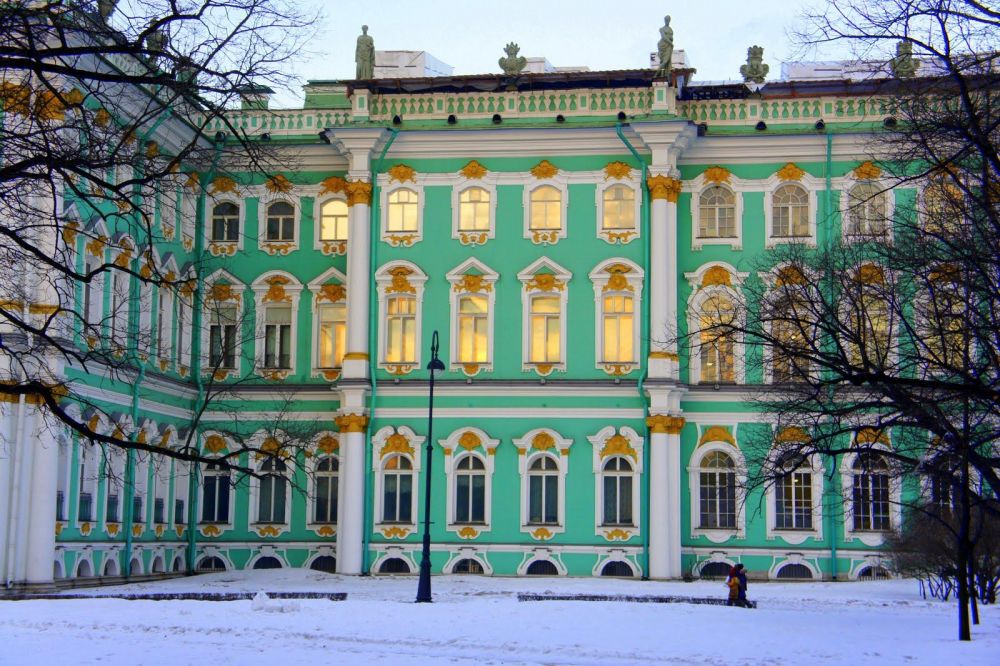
pixel 539 237
pixel 526 454
pixel 696 187
pixel 532 556
pixel 601 278
pixel 385 449
pixel 321 529
pixel 220 527
pixel 237 290
pixel 254 523
pixel 115 459
pixel 619 236
pixel 468 554
pixel 400 238
pixel 184 352
pixel 89 481
pixel 140 486
pixel 224 248
pixel 530 288
pixel 488 184
pixel 328 248
pixel 599 443
pixel 715 534
pixel 696 300
pixel 291 290
pixel 278 247
pixel 811 186
pixel 796 537
pixel 770 278
pixel 869 537
pixel 316 287
pixel 846 185
pixel 384 281
pixel 460 287
pixel 459 445
pixel 180 484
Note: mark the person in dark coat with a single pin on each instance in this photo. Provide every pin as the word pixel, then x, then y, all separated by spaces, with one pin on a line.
pixel 733 583
pixel 741 576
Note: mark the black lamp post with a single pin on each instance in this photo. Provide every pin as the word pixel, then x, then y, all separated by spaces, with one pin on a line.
pixel 435 367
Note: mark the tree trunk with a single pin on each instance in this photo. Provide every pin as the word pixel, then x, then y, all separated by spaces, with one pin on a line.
pixel 974 596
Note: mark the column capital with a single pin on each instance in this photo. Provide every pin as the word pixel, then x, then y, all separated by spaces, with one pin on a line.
pixel 663 187
pixel 359 192
pixel 352 422
pixel 664 423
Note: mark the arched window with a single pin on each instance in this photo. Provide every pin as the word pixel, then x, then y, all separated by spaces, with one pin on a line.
pixel 402 210
pixel 618 313
pixel 474 210
pixel 790 316
pixel 714 570
pixel 326 563
pixel 178 565
pixel 110 566
pixel 793 500
pixel 543 491
pixel 790 212
pixel 267 563
pixel 467 566
pixel 870 492
pixel 545 212
pixel 873 573
pixel 794 572
pixel 617 569
pixel 871 329
pixel 617 478
pixel 215 494
pixel 135 567
pixel 209 564
pixel 944 324
pixel 546 325
pixel 84 570
pixel 326 480
pixel 333 224
pixel 473 329
pixel 394 565
pixel 470 490
pixel 717 213
pixel 397 490
pixel 716 345
pixel 401 330
pixel 867 210
pixel 542 568
pixel 271 493
pixel 225 222
pixel 280 221
pixel 944 206
pixel 717 492
pixel 619 208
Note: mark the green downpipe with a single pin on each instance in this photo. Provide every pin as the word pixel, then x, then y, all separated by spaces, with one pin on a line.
pixel 643 344
pixel 372 351
pixel 827 196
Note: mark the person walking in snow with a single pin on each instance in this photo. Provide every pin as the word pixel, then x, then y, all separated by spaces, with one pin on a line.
pixel 737 584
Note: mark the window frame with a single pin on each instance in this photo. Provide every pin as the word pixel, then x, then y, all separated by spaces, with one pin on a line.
pixel 277 289
pixel 847 203
pixel 607 444
pixel 535 443
pixel 471 278
pixel 879 447
pixel 234 289
pixel 610 278
pixel 468 236
pixel 278 246
pixel 531 286
pixel 622 236
pixel 328 289
pixel 810 186
pixel 795 536
pixel 387 443
pixel 697 187
pixel 559 183
pixel 706 283
pixel 400 238
pixel 204 472
pixel 329 247
pixel 715 440
pixel 460 444
pixel 399 278
pixel 224 247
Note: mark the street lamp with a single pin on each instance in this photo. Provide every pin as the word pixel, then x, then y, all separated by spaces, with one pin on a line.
pixel 435 367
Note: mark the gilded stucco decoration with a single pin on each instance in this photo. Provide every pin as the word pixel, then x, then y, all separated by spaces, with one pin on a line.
pixel 223 185
pixel 351 422
pixel 716 434
pixel 618 445
pixel 193 181
pixel 96 246
pixel 276 290
pixel 69 232
pixel 664 423
pixel 867 171
pixel 400 240
pixel 716 276
pixel 617 170
pixel 396 443
pixel 328 444
pixel 334 293
pixel 469 441
pixel 332 185
pixel 215 444
pixel 402 173
pixel 468 532
pixel 717 175
pixel 545 237
pixel 268 531
pixel 326 531
pixel 790 171
pixel 544 282
pixel 359 192
pixel 473 284
pixel 664 187
pixel 152 149
pixel 278 184
pixel 221 291
pixel 473 238
pixel 224 249
pixel 617 280
pixel 334 247
pixel 544 170
pixel 790 275
pixel 210 530
pixel 618 237
pixel 617 534
pixel 542 534
pixel 870 274
pixel 872 436
pixel 395 532
pixel 543 441
pixel 401 281
pixel 473 170
pixel 792 434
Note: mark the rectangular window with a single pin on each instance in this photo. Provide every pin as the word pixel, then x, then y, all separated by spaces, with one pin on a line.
pixel 179 516
pixel 473 329
pixel 546 317
pixel 401 330
pixel 543 500
pixel 88 296
pixel 793 502
pixel 331 336
pixel 119 308
pixel 85 511
pixel 326 499
pixel 163 332
pixel 470 498
pixel 222 338
pixel 137 515
pixel 618 323
pixel 111 508
pixel 397 498
pixel 183 317
pixel 871 502
pixel 278 337
pixel 158 510
pixel 215 508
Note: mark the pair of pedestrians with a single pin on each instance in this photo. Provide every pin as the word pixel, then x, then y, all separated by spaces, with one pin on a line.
pixel 737 583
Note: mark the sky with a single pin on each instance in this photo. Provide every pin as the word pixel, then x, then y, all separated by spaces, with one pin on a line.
pixel 470 36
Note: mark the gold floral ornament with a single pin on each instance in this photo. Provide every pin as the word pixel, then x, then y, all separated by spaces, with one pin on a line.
pixel 152 149
pixel 468 532
pixel 543 441
pixel 215 444
pixel 276 290
pixel 402 173
pixel 333 185
pixel 50 106
pixel 333 293
pixel 401 281
pixel 545 282
pixel 70 231
pixel 544 169
pixel 473 170
pixel 278 184
pixel 325 531
pixel 790 171
pixel 717 175
pixel 664 187
pixel 870 274
pixel 617 280
pixel 542 534
pixel 359 192
pixel 867 171
pixel 473 238
pixel 716 276
pixel 790 275
pixel 352 422
pixel 617 170
pixel 95 247
pixel 469 440
pixel 102 118
pixel 473 284
pixel 663 423
pixel 223 184
pixel 223 292
pixel 716 434
pixel 193 181
pixel 396 443
pixel 395 532
pixel 268 531
pixel 792 434
pixel 871 436
pixel 328 444
pixel 618 445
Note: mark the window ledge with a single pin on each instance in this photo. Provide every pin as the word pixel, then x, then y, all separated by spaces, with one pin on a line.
pixel 223 248
pixel 401 238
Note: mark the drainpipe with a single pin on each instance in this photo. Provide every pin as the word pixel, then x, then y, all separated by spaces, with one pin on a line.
pixel 372 351
pixel 643 345
pixel 832 513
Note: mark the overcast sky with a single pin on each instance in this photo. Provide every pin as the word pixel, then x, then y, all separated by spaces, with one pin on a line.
pixel 470 36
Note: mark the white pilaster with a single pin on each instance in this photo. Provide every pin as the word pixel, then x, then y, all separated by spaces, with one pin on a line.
pixel 41 537
pixel 356 361
pixel 659 523
pixel 353 424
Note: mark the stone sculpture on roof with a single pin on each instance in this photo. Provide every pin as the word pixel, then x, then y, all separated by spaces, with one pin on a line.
pixel 903 65
pixel 513 63
pixel 755 70
pixel 364 55
pixel 665 47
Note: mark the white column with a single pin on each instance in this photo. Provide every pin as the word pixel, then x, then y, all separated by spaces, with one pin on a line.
pixel 664 496
pixel 673 456
pixel 351 496
pixel 663 360
pixel 41 536
pixel 356 361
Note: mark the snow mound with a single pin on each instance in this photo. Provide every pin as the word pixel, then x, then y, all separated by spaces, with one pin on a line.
pixel 264 604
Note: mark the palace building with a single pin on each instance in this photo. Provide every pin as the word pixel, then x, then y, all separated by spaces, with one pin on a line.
pixel 559 231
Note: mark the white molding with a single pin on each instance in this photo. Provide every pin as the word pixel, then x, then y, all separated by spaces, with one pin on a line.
pixel 694 306
pixel 632 183
pixel 503 413
pixel 330 276
pixel 717 534
pixel 845 185
pixel 696 187
pixel 541 236
pixel 213 200
pixel 379 440
pixel 597 442
pixel 257 461
pixel 488 184
pixel 453 452
pixel 269 246
pixel 794 536
pixel 869 538
pixel 563 276
pixel 405 238
pixel 383 282
pixel 333 247
pixel 600 279
pixel 293 290
pixel 811 186
pixel 455 293
pixel 526 455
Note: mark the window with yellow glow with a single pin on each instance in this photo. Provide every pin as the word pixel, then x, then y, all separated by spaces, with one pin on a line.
pixel 473 329
pixel 790 212
pixel 474 210
pixel 717 213
pixel 546 322
pixel 944 324
pixel 333 221
pixel 401 330
pixel 402 211
pixel 716 348
pixel 867 210
pixel 870 326
pixel 331 335
pixel 790 317
pixel 546 209
pixel 619 322
pixel 619 208
pixel 943 206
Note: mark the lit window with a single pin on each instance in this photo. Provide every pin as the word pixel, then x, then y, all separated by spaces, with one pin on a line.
pixel 325 499
pixel 870 327
pixel 944 206
pixel 397 490
pixel 401 330
pixel 717 213
pixel 280 221
pixel 619 208
pixel 543 491
pixel 789 315
pixel 278 337
pixel 546 322
pixel 470 490
pixel 225 222
pixel 617 477
pixel 944 324
pixel 222 337
pixel 793 501
pixel 870 492
pixel 271 492
pixel 867 210
pixel 474 210
pixel 715 344
pixel 473 329
pixel 619 321
pixel 402 211
pixel 331 335
pixel 545 209
pixel 717 492
pixel 790 212
pixel 333 225
pixel 215 494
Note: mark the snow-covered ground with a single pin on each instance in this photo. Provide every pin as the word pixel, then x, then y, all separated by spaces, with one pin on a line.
pixel 479 620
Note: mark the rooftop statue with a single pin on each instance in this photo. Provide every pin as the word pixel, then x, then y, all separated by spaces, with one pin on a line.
pixel 364 55
pixel 665 48
pixel 755 70
pixel 903 65
pixel 105 8
pixel 513 63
